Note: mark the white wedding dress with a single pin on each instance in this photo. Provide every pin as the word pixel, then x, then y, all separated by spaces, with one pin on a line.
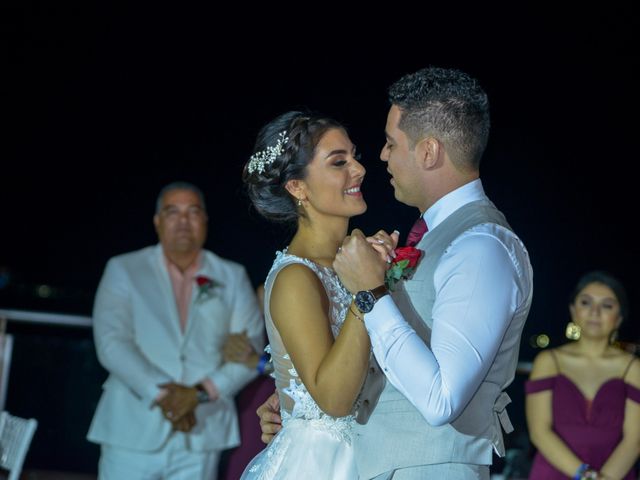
pixel 311 445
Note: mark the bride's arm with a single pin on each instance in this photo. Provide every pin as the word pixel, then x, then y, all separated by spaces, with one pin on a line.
pixel 332 371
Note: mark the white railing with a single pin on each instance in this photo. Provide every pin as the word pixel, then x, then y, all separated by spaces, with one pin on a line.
pixel 524 367
pixel 47 318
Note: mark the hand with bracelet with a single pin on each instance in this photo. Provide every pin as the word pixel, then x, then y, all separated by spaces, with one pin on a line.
pixel 238 349
pixel 585 472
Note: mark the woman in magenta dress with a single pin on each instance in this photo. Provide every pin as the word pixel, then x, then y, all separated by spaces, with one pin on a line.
pixel 583 398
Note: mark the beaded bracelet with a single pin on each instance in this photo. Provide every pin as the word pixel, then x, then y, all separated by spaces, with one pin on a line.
pixel 590 474
pixel 262 363
pixel 585 472
pixel 581 470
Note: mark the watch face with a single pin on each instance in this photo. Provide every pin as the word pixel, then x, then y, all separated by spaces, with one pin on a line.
pixel 365 301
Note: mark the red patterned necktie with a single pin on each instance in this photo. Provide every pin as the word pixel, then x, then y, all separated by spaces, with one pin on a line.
pixel 417 232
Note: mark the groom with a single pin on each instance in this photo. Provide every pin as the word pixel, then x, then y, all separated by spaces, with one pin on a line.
pixel 448 338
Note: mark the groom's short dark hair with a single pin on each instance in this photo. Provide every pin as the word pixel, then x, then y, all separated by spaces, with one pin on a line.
pixel 446 104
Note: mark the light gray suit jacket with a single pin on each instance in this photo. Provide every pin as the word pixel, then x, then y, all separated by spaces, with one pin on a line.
pixel 139 341
pixel 397 435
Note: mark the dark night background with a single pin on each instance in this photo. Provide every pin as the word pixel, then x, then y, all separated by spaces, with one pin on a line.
pixel 104 103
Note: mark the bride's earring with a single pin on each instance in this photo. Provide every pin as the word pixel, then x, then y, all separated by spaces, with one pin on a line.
pixel 299 202
pixel 573 331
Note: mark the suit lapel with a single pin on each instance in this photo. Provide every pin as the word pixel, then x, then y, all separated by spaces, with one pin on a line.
pixel 162 277
pixel 207 269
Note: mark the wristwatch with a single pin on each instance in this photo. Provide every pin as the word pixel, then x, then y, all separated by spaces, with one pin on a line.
pixel 366 299
pixel 202 394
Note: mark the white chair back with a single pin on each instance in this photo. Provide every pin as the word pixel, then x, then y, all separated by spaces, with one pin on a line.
pixel 16 434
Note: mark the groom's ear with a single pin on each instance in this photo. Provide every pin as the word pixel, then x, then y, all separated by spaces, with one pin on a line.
pixel 428 152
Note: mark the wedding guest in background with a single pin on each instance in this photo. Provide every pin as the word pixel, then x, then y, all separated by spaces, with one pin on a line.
pixel 161 317
pixel 583 398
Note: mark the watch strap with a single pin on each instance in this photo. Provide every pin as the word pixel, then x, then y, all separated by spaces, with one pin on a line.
pixel 380 291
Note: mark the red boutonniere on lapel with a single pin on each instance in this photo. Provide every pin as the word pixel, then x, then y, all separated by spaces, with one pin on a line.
pixel 403 266
pixel 205 285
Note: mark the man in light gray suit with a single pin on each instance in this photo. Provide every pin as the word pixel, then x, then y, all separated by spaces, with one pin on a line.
pixel 447 339
pixel 161 318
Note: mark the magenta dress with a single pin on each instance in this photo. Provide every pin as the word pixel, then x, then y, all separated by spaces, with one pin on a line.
pixel 591 428
pixel 248 401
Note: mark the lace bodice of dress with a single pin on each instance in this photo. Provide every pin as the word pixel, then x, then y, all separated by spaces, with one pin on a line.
pixel 295 400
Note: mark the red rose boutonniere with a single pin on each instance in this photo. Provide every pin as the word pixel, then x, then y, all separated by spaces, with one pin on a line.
pixel 403 266
pixel 205 285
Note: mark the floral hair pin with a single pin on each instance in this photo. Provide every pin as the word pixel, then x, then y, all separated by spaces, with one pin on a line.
pixel 258 160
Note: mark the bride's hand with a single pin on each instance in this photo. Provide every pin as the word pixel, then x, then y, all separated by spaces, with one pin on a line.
pixel 385 244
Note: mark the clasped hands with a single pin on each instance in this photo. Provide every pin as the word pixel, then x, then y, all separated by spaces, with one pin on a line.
pixel 361 267
pixel 178 402
pixel 178 405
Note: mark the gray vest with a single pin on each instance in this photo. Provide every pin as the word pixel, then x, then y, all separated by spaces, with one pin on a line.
pixel 396 434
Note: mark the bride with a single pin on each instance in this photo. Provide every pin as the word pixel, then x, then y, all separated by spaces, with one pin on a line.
pixel 304 171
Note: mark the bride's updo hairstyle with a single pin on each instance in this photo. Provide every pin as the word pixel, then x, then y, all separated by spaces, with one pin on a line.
pixel 283 149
